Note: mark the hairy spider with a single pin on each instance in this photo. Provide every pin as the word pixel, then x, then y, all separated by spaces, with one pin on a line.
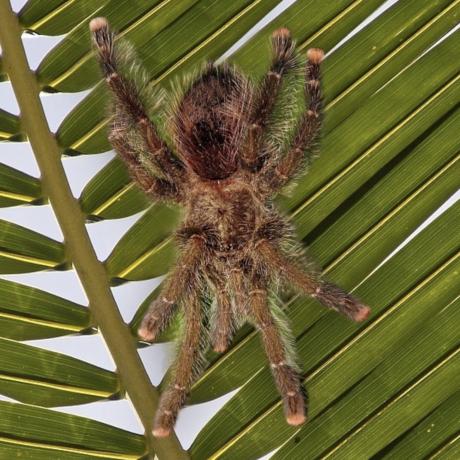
pixel 230 159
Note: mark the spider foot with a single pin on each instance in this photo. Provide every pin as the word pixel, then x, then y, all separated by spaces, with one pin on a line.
pixel 294 409
pixel 164 422
pixel 156 319
pixel 220 347
pixel 145 334
pixel 283 33
pixel 336 298
pixel 315 55
pixel 149 328
pixel 362 314
pixel 98 24
pixel 161 432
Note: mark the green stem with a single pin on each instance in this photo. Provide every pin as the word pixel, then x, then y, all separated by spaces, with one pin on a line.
pixel 92 273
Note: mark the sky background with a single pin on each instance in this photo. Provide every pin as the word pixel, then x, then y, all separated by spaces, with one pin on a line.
pixel 104 236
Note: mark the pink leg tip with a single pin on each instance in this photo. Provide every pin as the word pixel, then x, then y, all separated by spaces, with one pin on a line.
pixel 144 334
pixel 161 432
pixel 315 55
pixel 97 24
pixel 296 419
pixel 362 314
pixel 220 348
pixel 282 33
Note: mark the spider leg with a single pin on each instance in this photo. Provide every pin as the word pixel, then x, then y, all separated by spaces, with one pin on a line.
pixel 327 293
pixel 277 174
pixel 159 189
pixel 130 112
pixel 286 376
pixel 182 280
pixel 174 397
pixel 236 283
pixel 231 309
pixel 283 61
pixel 222 327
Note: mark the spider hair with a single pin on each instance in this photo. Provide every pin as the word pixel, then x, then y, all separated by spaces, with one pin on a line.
pixel 230 151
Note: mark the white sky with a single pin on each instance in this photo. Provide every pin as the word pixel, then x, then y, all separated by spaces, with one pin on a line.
pixel 104 236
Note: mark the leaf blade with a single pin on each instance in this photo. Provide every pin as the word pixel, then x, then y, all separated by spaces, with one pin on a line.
pixel 23 250
pixel 36 376
pixel 57 432
pixel 27 313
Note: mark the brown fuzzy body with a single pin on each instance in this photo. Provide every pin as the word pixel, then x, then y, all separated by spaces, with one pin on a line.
pixel 235 247
pixel 227 212
pixel 207 123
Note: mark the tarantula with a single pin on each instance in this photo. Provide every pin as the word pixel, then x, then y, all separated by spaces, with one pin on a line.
pixel 226 168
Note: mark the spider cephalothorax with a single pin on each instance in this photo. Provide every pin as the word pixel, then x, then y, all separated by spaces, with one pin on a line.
pixel 235 247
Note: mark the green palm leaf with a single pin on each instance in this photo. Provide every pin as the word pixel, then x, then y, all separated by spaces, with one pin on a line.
pixel 9 126
pixel 17 187
pixel 27 313
pixel 387 388
pixel 36 433
pixel 24 250
pixel 46 378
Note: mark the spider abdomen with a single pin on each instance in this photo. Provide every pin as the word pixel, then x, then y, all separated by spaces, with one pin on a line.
pixel 208 123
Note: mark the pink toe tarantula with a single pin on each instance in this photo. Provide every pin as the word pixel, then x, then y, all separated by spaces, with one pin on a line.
pixel 224 161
